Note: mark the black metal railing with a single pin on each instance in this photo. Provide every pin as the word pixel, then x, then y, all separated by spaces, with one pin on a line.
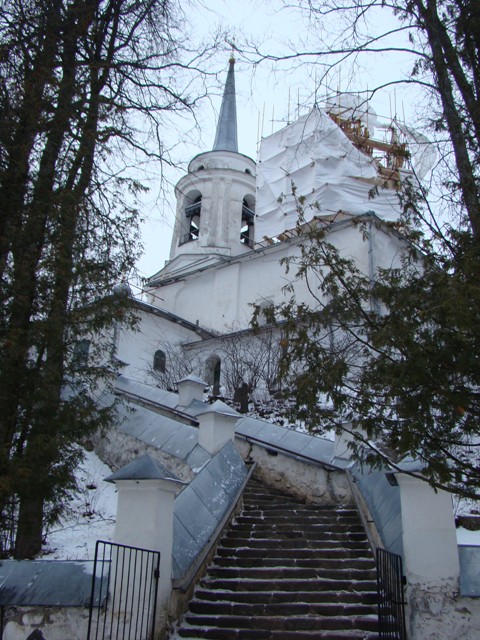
pixel 391 602
pixel 124 593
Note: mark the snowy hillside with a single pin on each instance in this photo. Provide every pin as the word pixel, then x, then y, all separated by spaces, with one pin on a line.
pixel 90 516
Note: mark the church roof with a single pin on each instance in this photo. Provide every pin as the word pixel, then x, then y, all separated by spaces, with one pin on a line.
pixel 226 136
pixel 171 317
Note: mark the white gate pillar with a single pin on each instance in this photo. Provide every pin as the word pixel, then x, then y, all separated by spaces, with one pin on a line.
pixel 146 493
pixel 430 553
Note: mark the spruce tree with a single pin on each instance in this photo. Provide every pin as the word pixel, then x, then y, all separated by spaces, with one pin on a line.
pixel 79 82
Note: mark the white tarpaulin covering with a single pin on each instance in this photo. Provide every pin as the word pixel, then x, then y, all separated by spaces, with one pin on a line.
pixel 316 157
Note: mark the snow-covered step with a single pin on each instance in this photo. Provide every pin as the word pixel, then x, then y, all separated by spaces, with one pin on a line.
pixel 286 570
pixel 191 632
pixel 335 596
pixel 336 552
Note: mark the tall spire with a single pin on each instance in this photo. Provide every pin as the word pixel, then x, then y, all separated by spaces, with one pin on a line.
pixel 226 136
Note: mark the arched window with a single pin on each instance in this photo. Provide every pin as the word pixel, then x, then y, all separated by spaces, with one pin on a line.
pixel 212 373
pixel 160 361
pixel 192 213
pixel 248 221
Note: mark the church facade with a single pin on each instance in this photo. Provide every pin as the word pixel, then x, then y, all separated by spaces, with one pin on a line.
pixel 237 222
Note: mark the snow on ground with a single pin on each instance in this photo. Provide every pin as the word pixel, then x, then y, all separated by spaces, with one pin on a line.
pixel 90 516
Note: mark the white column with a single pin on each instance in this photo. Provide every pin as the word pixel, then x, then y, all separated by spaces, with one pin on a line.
pixel 431 562
pixel 217 427
pixel 145 519
pixel 429 537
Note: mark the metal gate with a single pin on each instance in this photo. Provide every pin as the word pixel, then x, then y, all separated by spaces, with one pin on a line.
pixel 391 603
pixel 124 593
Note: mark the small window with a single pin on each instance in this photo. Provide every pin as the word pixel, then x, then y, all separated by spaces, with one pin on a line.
pixel 248 171
pixel 160 361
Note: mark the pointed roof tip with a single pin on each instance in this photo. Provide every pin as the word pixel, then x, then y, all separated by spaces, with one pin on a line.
pixel 226 135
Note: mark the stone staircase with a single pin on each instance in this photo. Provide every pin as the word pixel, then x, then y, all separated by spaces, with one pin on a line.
pixel 287 571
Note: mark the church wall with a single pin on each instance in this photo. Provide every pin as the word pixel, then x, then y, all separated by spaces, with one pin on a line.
pixel 56 623
pixel 137 347
pixel 220 298
pixel 117 449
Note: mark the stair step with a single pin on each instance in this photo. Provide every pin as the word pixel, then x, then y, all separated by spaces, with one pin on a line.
pixel 193 633
pixel 289 573
pixel 334 553
pixel 285 623
pixel 287 570
pixel 205 607
pixel 287 585
pixel 295 534
pixel 346 596
pixel 298 519
pixel 261 541
pixel 292 562
pixel 285 510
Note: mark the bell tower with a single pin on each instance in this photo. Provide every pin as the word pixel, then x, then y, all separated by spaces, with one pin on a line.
pixel 216 199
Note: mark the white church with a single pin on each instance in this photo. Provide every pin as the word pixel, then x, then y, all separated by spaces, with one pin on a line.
pixel 263 531
pixel 236 220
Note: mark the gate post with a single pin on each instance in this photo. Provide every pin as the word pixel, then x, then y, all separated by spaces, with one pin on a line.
pixel 430 554
pixel 146 493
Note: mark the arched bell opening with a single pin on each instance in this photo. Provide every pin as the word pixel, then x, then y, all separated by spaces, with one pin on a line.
pixel 192 211
pixel 248 221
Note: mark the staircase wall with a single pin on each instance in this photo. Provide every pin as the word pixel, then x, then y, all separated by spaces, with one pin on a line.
pixel 309 481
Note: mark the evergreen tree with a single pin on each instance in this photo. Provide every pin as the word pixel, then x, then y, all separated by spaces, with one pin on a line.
pixel 79 80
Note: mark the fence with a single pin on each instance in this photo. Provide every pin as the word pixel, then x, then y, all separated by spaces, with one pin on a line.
pixel 391 603
pixel 124 593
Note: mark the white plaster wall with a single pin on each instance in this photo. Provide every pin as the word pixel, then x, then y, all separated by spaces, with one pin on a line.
pixel 220 298
pixel 54 622
pixel 117 449
pixel 137 347
pixel 436 614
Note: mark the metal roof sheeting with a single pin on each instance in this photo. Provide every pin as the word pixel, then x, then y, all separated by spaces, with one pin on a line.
pixel 201 506
pixel 49 583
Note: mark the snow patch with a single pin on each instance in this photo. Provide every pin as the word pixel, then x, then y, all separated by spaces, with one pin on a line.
pixel 90 515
